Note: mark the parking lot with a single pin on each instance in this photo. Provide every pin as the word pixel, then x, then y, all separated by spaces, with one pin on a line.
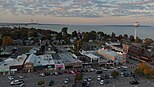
pixel 31 80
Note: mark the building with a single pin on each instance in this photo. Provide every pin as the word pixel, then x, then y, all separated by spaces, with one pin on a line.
pixel 90 54
pixel 137 52
pixel 70 61
pixel 5 66
pixel 18 63
pixel 110 57
pixel 29 63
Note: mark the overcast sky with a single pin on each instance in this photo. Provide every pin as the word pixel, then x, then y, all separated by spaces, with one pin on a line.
pixel 78 11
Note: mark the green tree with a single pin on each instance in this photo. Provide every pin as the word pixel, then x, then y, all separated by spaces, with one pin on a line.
pixel 120 37
pixel 125 36
pixel 86 37
pixel 41 83
pixel 101 33
pixel 147 42
pixel 64 30
pixel 115 74
pixel 7 40
pixel 131 38
pixel 78 45
pixel 59 36
pixel 138 40
pixel 92 35
pixel 74 34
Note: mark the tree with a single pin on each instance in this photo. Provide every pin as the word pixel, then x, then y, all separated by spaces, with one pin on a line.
pixel 33 34
pixel 64 31
pixel 143 69
pixel 138 40
pixel 147 42
pixel 41 83
pixel 120 37
pixel 86 37
pixel 101 33
pixel 125 36
pixel 115 74
pixel 131 38
pixel 7 40
pixel 92 35
pixel 74 34
pixel 78 45
pixel 59 36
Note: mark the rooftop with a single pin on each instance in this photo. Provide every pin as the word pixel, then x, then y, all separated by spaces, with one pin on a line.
pixel 67 58
pixel 42 60
pixel 19 60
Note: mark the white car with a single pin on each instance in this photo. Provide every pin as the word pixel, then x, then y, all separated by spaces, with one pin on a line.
pixel 10 77
pixel 21 85
pixel 16 82
pixel 101 82
pixel 66 81
pixel 89 78
pixel 122 74
pixel 72 71
pixel 98 77
pixel 125 67
pixel 118 67
pixel 92 70
pixel 21 77
pixel 42 74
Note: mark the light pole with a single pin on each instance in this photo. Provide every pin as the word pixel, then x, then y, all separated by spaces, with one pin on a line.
pixel 136 25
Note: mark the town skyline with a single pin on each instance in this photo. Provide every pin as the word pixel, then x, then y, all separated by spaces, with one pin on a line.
pixel 99 12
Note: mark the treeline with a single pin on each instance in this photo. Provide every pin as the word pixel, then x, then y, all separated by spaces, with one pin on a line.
pixel 23 33
pixel 65 38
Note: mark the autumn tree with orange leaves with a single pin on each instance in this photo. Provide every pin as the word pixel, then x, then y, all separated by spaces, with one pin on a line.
pixel 7 40
pixel 144 69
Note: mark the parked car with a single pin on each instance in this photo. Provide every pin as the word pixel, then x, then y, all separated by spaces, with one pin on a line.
pixel 89 78
pixel 99 72
pixel 21 77
pixel 21 85
pixel 47 74
pixel 66 81
pixel 101 82
pixel 68 72
pixel 85 79
pixel 125 67
pixel 72 72
pixel 10 77
pixel 98 77
pixel 42 74
pixel 134 82
pixel 56 73
pixel 51 83
pixel 17 82
pixel 106 77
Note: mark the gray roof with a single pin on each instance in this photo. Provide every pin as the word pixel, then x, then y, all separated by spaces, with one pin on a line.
pixel 31 58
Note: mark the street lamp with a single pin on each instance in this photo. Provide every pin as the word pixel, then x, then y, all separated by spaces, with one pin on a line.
pixel 136 25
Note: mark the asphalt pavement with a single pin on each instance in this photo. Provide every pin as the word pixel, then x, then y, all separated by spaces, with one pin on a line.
pixel 31 80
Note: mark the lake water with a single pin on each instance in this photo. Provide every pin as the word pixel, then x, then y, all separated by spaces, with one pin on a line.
pixel 142 32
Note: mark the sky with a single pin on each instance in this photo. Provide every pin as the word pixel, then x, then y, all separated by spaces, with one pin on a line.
pixel 99 12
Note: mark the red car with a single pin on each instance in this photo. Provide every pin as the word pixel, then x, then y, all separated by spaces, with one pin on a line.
pixel 68 72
